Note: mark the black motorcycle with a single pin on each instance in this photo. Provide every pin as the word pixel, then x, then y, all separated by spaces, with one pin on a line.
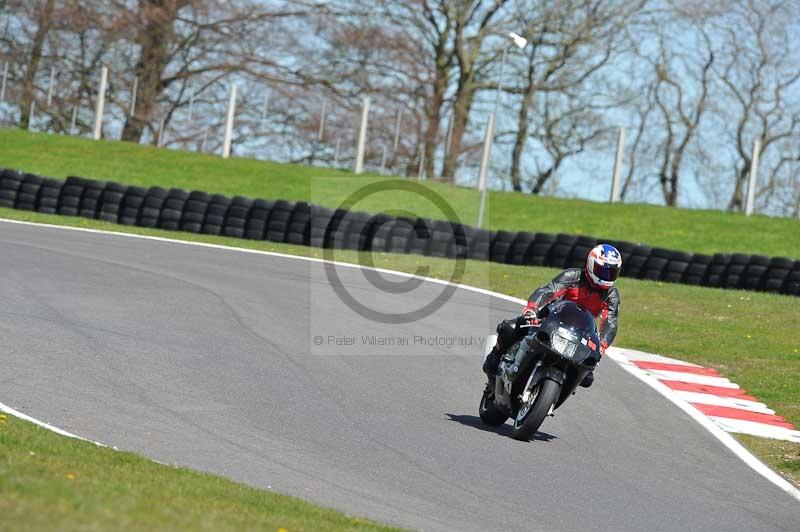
pixel 539 373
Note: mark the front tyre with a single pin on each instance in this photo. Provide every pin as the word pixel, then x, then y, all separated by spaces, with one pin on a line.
pixel 530 415
pixel 490 414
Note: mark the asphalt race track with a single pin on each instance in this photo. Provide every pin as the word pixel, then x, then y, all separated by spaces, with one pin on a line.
pixel 204 358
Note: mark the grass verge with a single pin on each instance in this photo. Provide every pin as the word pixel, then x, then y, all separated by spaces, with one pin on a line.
pixel 733 331
pixel 701 231
pixel 781 455
pixel 53 482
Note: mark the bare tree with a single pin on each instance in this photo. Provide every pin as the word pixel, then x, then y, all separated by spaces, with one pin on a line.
pixel 474 22
pixel 68 36
pixel 642 112
pixel 761 73
pixel 40 14
pixel 183 42
pixel 675 92
pixel 701 81
pixel 680 115
pixel 437 29
pixel 389 52
pixel 569 44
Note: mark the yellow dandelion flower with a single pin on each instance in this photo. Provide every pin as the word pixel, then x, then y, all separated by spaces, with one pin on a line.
pixel 70 476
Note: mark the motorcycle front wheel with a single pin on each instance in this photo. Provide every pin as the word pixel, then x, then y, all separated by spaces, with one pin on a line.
pixel 489 413
pixel 531 414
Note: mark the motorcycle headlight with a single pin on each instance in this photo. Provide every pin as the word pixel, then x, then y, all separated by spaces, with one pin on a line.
pixel 564 343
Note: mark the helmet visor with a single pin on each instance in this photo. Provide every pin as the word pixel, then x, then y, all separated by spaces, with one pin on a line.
pixel 606 272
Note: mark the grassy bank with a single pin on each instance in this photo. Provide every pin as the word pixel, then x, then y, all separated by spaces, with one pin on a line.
pixel 732 331
pixel 691 230
pixel 52 482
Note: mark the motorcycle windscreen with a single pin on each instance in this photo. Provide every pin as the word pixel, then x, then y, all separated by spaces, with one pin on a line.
pixel 576 317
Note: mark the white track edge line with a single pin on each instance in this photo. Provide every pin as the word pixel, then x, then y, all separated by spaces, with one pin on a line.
pixel 726 439
pixel 16 413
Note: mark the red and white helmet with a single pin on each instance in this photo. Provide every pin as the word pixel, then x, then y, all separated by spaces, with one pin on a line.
pixel 603 265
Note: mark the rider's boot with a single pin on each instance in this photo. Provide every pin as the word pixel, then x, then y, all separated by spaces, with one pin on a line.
pixel 491 362
pixel 588 380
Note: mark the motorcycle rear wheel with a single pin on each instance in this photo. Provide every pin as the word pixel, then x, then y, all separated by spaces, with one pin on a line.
pixel 531 416
pixel 489 413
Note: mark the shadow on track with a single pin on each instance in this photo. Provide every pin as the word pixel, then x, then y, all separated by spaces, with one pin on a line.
pixel 503 430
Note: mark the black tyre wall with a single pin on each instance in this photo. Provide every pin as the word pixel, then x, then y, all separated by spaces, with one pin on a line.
pixel 28 191
pixel 215 215
pixel 172 209
pixel 131 205
pixel 236 217
pixel 152 205
pixel 10 181
pixel 307 224
pixel 256 226
pixel 110 202
pixel 47 199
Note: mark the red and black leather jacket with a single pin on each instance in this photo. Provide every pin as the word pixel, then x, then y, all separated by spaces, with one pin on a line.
pixel 573 285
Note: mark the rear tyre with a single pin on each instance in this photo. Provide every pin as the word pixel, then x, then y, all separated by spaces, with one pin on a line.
pixel 530 416
pixel 489 413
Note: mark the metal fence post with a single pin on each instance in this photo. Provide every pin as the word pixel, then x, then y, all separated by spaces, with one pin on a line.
pixel 265 109
pixel 421 169
pixel 3 86
pixel 134 91
pixel 485 156
pixel 73 123
pixel 362 137
pixel 553 186
pixel 383 158
pixel 101 99
pixel 226 145
pixel 448 139
pixel 30 115
pixel 618 166
pixel 321 133
pixel 751 185
pixel 160 141
pixel 50 86
pixel 203 142
pixel 336 152
pixel 397 131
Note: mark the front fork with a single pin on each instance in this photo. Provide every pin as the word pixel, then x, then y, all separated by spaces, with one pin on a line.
pixel 532 381
pixel 510 368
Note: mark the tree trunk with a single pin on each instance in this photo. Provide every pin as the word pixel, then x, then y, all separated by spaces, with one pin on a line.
pixel 43 21
pixel 157 18
pixel 669 189
pixel 542 178
pixel 737 198
pixel 434 115
pixel 519 143
pixel 672 196
pixel 461 108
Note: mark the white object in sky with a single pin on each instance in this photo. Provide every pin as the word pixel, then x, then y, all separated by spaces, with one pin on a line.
pixel 519 40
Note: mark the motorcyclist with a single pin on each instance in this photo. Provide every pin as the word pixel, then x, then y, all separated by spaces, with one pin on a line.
pixel 591 287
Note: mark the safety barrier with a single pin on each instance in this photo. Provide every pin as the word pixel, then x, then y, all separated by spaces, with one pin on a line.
pixel 311 225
